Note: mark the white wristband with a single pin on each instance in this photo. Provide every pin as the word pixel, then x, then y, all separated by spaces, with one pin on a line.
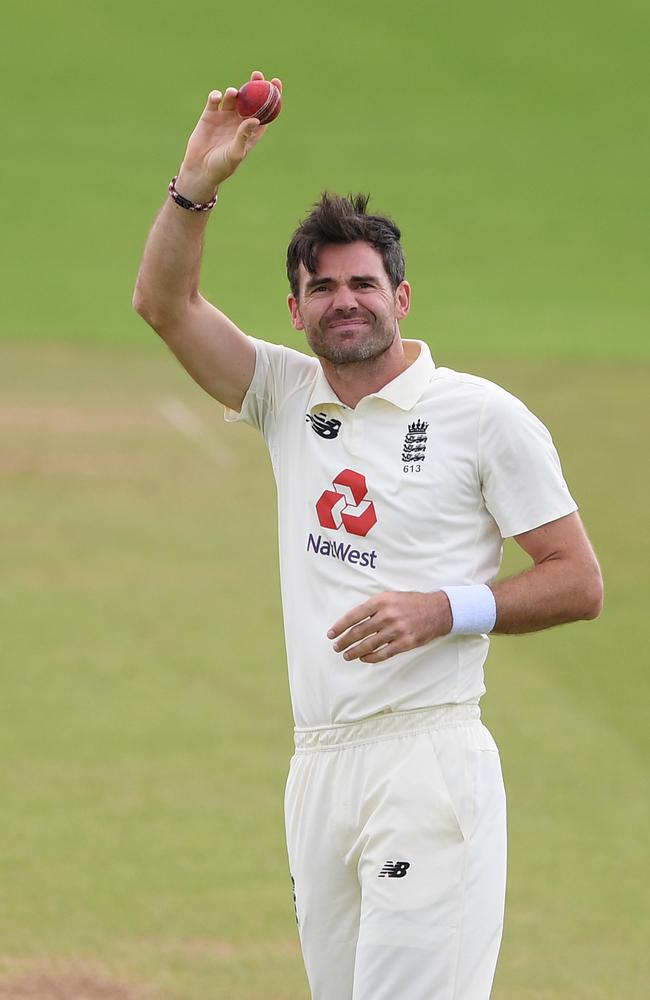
pixel 473 609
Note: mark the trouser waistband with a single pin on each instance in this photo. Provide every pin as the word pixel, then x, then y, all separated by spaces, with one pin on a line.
pixel 383 727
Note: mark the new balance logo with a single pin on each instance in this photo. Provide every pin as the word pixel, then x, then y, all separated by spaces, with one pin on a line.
pixel 324 427
pixel 394 869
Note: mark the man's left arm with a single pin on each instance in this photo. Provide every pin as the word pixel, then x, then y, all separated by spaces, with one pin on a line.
pixel 564 584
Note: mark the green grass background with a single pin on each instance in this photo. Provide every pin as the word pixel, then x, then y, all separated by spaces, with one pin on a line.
pixel 509 139
pixel 144 723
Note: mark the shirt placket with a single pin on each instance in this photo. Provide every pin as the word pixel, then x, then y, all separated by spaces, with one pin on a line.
pixel 355 433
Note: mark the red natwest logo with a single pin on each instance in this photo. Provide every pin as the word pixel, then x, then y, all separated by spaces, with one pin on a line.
pixel 345 505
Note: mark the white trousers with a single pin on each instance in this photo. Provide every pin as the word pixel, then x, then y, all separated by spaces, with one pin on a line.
pixel 396 835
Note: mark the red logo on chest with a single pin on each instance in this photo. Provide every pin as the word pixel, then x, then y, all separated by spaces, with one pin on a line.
pixel 345 506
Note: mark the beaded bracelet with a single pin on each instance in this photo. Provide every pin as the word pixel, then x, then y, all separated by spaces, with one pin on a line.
pixel 193 206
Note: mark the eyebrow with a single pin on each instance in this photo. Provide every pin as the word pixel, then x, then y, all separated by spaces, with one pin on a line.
pixel 312 282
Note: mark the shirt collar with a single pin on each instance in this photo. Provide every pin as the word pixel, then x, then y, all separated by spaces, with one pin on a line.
pixel 403 391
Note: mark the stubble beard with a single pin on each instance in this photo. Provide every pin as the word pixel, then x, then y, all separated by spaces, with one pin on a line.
pixel 376 341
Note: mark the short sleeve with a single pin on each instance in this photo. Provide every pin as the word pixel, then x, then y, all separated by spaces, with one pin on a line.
pixel 521 476
pixel 279 371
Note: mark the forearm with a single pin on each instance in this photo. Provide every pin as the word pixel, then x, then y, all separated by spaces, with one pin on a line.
pixel 168 278
pixel 550 593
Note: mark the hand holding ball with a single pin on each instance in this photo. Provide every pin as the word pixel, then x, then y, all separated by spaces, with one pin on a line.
pixel 259 99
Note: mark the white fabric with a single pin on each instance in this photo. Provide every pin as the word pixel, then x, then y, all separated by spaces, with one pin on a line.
pixel 437 467
pixel 473 609
pixel 396 837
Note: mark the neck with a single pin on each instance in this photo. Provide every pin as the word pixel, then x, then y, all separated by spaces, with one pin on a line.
pixel 352 381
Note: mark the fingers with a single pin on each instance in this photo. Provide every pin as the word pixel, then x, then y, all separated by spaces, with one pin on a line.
pixel 368 647
pixel 370 627
pixel 376 648
pixel 366 638
pixel 244 133
pixel 387 624
pixel 258 75
pixel 354 617
pixel 359 631
pixel 383 654
pixel 229 102
pixel 214 99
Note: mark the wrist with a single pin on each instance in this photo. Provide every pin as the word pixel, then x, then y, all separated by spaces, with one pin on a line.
pixel 441 613
pixel 473 609
pixel 195 186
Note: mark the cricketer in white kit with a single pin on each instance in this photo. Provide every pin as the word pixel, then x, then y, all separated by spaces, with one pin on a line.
pixel 397 483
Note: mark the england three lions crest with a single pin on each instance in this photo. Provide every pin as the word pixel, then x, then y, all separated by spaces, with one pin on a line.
pixel 415 446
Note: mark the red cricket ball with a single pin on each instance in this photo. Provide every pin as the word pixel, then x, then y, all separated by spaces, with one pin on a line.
pixel 259 99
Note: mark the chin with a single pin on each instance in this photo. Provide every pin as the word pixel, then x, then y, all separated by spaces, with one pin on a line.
pixel 353 349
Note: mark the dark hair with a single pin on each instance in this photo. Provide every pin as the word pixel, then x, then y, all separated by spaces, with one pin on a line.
pixel 344 220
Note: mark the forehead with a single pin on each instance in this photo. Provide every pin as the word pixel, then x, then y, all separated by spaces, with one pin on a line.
pixel 341 260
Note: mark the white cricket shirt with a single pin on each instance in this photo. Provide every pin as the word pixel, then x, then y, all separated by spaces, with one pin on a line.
pixel 413 489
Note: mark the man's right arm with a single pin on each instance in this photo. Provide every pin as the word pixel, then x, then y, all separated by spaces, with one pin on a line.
pixel 215 352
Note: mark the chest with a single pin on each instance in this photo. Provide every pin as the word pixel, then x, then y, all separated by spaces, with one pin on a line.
pixel 392 470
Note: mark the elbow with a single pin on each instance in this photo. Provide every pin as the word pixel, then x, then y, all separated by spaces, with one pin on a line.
pixel 593 595
pixel 139 302
pixel 144 308
pixel 163 315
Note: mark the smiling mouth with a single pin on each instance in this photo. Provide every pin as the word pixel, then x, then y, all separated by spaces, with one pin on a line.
pixel 347 322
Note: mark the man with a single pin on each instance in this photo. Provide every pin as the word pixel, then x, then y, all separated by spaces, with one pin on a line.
pixel 397 483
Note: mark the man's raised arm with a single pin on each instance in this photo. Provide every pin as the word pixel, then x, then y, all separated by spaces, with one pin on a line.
pixel 216 353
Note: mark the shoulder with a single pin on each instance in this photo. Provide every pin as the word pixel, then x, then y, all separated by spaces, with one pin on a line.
pixel 286 355
pixel 474 390
pixel 281 359
pixel 282 375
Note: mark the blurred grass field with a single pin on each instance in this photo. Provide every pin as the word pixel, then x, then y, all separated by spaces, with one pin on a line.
pixel 145 725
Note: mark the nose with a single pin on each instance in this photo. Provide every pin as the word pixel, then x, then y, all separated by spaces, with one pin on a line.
pixel 344 299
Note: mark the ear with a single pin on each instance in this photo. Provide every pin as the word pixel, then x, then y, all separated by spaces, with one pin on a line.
pixel 402 300
pixel 295 313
